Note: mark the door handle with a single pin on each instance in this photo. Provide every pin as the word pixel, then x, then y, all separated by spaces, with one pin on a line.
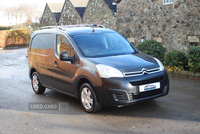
pixel 55 63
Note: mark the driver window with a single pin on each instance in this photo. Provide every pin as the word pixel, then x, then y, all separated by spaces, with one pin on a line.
pixel 63 45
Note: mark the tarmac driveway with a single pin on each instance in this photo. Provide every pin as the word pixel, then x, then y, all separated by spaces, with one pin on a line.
pixel 176 113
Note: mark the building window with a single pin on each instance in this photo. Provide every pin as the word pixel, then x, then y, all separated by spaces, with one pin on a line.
pixel 167 2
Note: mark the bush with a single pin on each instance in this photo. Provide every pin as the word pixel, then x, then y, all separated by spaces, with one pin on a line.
pixel 176 60
pixel 194 59
pixel 4 28
pixel 153 48
pixel 10 38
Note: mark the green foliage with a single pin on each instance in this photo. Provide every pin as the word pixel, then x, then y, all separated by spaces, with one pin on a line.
pixel 35 26
pixel 176 59
pixel 194 59
pixel 153 48
pixel 17 37
pixel 4 28
pixel 173 69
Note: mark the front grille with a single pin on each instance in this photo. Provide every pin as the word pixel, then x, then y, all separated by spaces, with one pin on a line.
pixel 142 72
pixel 145 94
pixel 135 83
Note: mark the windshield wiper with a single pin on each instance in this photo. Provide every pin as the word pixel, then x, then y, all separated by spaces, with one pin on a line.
pixel 134 48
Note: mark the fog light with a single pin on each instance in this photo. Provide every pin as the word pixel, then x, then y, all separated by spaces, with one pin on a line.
pixel 165 89
pixel 115 97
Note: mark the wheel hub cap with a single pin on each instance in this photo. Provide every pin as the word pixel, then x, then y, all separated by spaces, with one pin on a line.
pixel 35 83
pixel 86 98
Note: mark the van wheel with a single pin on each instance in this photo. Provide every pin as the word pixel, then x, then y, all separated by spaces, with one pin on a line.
pixel 36 85
pixel 88 99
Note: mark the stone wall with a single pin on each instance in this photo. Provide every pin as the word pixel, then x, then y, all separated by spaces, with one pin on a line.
pixel 98 12
pixel 69 15
pixel 174 25
pixel 48 18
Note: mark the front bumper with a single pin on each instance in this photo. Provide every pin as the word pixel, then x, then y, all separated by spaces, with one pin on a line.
pixel 125 91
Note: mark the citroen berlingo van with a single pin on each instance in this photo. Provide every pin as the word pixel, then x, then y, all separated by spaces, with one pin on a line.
pixel 94 64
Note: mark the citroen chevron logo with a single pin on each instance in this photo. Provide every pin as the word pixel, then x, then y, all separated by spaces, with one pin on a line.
pixel 144 71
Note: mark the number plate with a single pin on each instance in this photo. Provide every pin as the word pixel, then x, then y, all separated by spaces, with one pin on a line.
pixel 148 87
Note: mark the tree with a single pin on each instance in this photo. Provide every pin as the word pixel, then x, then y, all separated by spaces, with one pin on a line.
pixel 20 11
pixel 29 11
pixel 38 15
pixel 16 11
pixel 8 13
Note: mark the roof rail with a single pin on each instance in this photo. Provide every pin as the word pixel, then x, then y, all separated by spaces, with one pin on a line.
pixel 70 26
pixel 95 25
pixel 83 25
pixel 51 27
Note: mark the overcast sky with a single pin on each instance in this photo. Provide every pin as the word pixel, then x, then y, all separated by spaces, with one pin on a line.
pixel 6 3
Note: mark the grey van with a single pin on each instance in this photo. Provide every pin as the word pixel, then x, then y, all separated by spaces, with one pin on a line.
pixel 94 64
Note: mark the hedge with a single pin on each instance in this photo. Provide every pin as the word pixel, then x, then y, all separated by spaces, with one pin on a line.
pixel 153 48
pixel 9 38
pixel 194 59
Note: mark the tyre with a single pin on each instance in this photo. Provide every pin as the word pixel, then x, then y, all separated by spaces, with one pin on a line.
pixel 36 85
pixel 88 99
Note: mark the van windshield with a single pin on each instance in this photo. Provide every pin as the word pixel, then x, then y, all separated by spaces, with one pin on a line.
pixel 102 44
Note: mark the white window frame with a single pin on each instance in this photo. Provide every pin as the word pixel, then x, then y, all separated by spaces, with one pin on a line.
pixel 166 2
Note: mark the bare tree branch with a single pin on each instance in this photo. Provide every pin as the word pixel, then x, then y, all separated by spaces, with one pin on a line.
pixel 16 10
pixel 8 13
pixel 29 11
pixel 19 11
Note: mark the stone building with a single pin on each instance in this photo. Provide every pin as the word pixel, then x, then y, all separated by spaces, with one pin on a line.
pixel 51 14
pixel 72 12
pixel 101 12
pixel 174 23
pixel 89 12
pixel 80 6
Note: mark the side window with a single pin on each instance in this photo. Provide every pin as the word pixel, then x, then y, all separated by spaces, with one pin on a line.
pixel 63 45
pixel 42 41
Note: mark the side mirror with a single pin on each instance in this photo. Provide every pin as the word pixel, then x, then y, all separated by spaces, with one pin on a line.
pixel 64 57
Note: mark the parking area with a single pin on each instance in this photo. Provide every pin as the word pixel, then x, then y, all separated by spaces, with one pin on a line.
pixel 176 113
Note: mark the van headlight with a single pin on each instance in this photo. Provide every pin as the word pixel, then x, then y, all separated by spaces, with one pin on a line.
pixel 160 64
pixel 107 71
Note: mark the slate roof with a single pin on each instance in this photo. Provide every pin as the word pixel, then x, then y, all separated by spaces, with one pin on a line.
pixel 112 7
pixel 80 6
pixel 56 9
pixel 80 10
pixel 57 16
pixel 79 3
